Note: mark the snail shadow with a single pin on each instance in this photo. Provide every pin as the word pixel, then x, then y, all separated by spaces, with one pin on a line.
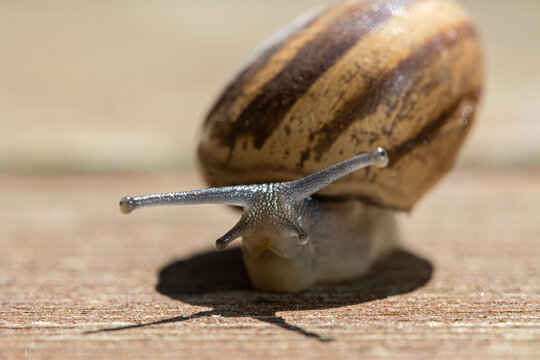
pixel 219 280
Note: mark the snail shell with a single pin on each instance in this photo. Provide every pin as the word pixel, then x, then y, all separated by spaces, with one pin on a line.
pixel 405 75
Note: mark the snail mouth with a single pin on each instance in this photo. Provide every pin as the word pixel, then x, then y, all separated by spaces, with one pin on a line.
pixel 266 253
pixel 254 248
pixel 275 252
pixel 262 247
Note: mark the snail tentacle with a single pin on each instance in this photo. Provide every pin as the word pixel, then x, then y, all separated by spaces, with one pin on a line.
pixel 301 234
pixel 241 195
pixel 237 231
pixel 307 186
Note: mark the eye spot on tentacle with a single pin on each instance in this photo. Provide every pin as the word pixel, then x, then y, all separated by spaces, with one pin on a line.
pixel 303 239
pixel 380 157
pixel 126 205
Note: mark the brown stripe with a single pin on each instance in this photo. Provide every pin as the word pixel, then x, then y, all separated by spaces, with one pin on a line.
pixel 233 90
pixel 268 62
pixel 277 96
pixel 357 109
pixel 236 87
pixel 426 133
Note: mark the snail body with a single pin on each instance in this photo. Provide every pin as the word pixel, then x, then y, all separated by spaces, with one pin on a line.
pixel 345 238
pixel 403 75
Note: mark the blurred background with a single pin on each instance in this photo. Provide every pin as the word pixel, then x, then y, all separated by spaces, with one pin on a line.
pixel 93 86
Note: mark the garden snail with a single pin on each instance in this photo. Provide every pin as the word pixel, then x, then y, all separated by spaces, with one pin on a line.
pixel 355 78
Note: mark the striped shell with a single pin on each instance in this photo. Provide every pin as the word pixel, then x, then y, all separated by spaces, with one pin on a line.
pixel 405 75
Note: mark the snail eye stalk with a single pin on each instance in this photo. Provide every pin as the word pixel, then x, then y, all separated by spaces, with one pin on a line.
pixel 237 231
pixel 307 186
pixel 241 195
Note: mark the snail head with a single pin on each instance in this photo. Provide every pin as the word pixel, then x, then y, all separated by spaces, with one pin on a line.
pixel 272 212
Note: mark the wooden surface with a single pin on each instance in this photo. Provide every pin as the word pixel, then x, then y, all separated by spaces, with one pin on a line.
pixel 78 279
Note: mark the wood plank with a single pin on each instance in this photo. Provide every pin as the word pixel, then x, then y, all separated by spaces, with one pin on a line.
pixel 78 279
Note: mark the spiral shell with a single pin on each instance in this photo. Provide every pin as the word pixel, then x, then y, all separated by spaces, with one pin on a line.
pixel 405 75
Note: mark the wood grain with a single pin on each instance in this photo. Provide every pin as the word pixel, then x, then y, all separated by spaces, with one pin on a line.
pixel 80 280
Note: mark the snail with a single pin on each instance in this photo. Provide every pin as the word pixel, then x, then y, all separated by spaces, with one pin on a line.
pixel 345 117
